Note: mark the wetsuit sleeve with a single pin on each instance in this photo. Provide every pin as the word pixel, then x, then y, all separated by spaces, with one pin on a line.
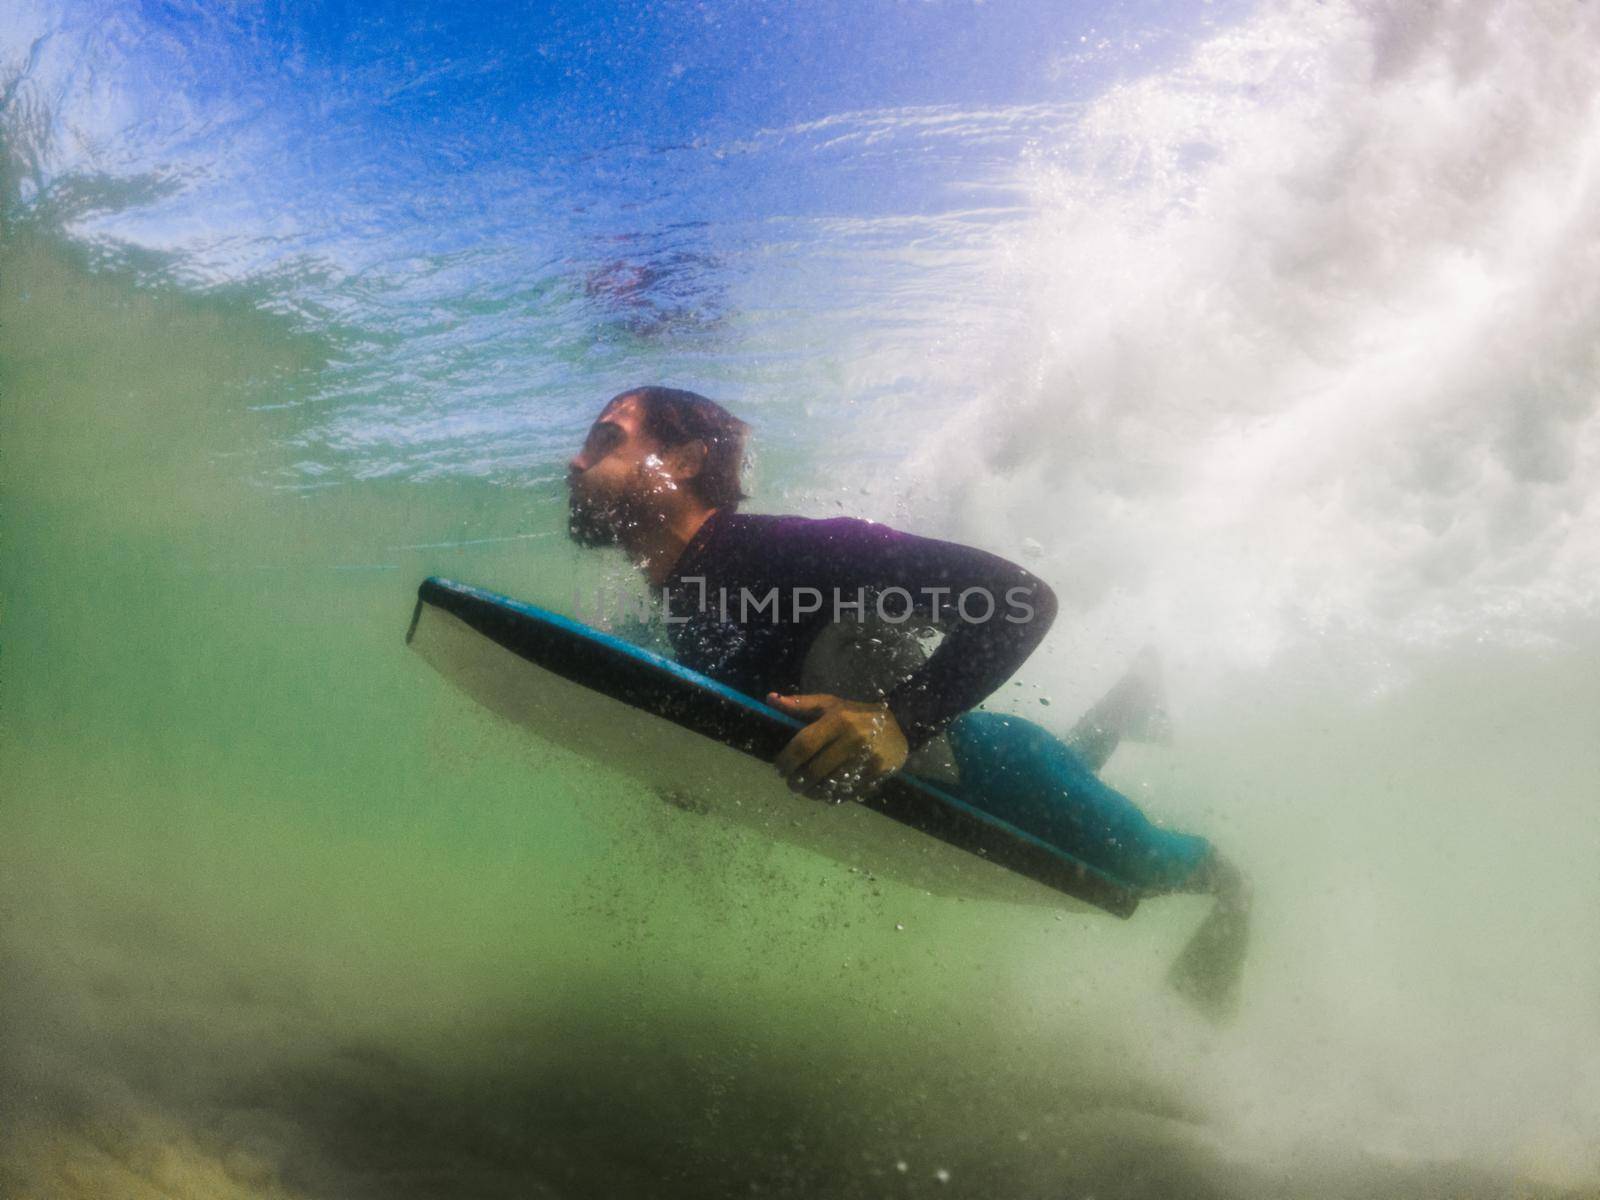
pixel 994 613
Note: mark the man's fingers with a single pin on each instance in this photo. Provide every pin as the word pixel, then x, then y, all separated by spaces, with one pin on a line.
pixel 805 744
pixel 841 747
pixel 801 706
pixel 828 766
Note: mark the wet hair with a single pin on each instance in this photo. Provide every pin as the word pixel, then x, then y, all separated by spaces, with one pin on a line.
pixel 673 417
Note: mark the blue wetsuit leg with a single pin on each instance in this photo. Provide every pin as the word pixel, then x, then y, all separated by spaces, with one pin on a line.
pixel 1023 774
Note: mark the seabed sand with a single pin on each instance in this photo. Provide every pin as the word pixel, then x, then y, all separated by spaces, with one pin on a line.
pixel 137 1064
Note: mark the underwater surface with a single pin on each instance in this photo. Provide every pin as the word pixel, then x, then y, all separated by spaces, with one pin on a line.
pixel 1264 333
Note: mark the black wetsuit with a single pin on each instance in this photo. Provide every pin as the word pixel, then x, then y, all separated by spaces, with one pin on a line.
pixel 739 607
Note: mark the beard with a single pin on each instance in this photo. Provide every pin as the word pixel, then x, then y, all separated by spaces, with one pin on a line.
pixel 593 522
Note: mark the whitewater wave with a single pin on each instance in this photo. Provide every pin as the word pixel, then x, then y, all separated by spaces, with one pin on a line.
pixel 1309 339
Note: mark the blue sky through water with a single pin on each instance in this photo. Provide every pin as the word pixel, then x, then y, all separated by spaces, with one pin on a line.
pixel 486 203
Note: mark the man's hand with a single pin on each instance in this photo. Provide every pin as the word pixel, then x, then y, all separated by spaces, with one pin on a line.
pixel 848 743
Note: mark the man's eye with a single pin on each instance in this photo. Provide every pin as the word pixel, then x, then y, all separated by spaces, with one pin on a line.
pixel 604 440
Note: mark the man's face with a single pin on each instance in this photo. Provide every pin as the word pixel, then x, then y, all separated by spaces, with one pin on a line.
pixel 616 480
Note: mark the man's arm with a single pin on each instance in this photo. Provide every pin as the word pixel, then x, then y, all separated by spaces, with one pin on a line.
pixel 994 611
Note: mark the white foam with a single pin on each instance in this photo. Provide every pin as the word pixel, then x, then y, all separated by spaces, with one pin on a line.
pixel 1310 343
